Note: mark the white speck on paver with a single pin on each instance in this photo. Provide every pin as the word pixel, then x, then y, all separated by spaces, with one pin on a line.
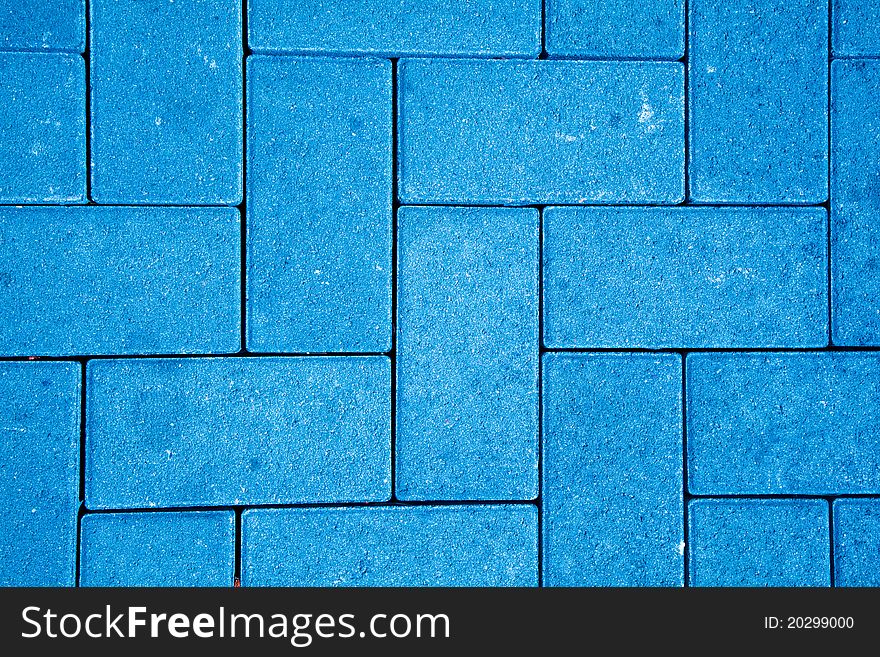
pixel 213 64
pixel 158 120
pixel 318 272
pixel 681 547
pixel 646 113
pixel 33 510
pixel 711 69
pixel 561 136
pixel 18 429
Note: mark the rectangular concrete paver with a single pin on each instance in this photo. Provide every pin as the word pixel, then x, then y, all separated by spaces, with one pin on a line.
pixel 758 101
pixel 493 545
pixel 792 424
pixel 43 122
pixel 612 470
pixel 90 280
pixel 319 205
pixel 158 549
pixel 485 132
pixel 39 472
pixel 685 277
pixel 759 543
pixel 855 203
pixel 467 354
pixel 43 25
pixel 488 28
pixel 166 121
pixel 203 432
pixel 855 28
pixel 856 542
pixel 611 29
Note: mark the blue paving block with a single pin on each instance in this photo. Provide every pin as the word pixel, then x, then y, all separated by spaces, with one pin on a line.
pixel 497 28
pixel 166 83
pixel 653 29
pixel 612 470
pixel 857 542
pixel 158 549
pixel 39 473
pixel 493 545
pixel 467 354
pixel 88 280
pixel 43 123
pixel 43 25
pixel 855 28
pixel 759 543
pixel 685 277
pixel 225 431
pixel 855 203
pixel 319 205
pixel 508 132
pixel 758 101
pixel 795 423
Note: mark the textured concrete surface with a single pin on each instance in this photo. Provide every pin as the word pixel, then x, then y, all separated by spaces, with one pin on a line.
pixel 319 205
pixel 39 473
pixel 43 122
pixel 855 28
pixel 166 122
pixel 489 28
pixel 483 132
pixel 158 549
pixel 615 29
pixel 855 203
pixel 797 423
pixel 119 281
pixel 759 543
pixel 467 356
pixel 856 542
pixel 612 470
pixel 201 432
pixel 43 25
pixel 685 277
pixel 758 101
pixel 452 332
pixel 492 545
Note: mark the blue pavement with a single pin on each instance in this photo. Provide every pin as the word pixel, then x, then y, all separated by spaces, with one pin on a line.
pixel 759 543
pixel 166 122
pixel 685 277
pixel 758 101
pixel 479 132
pixel 489 28
pixel 43 122
pixel 43 25
pixel 856 542
pixel 855 203
pixel 467 357
pixel 391 546
pixel 792 424
pixel 158 549
pixel 615 29
pixel 119 281
pixel 39 473
pixel 484 293
pixel 612 502
pixel 218 431
pixel 319 232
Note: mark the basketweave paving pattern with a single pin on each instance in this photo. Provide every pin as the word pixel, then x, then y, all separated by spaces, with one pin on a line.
pixel 385 292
